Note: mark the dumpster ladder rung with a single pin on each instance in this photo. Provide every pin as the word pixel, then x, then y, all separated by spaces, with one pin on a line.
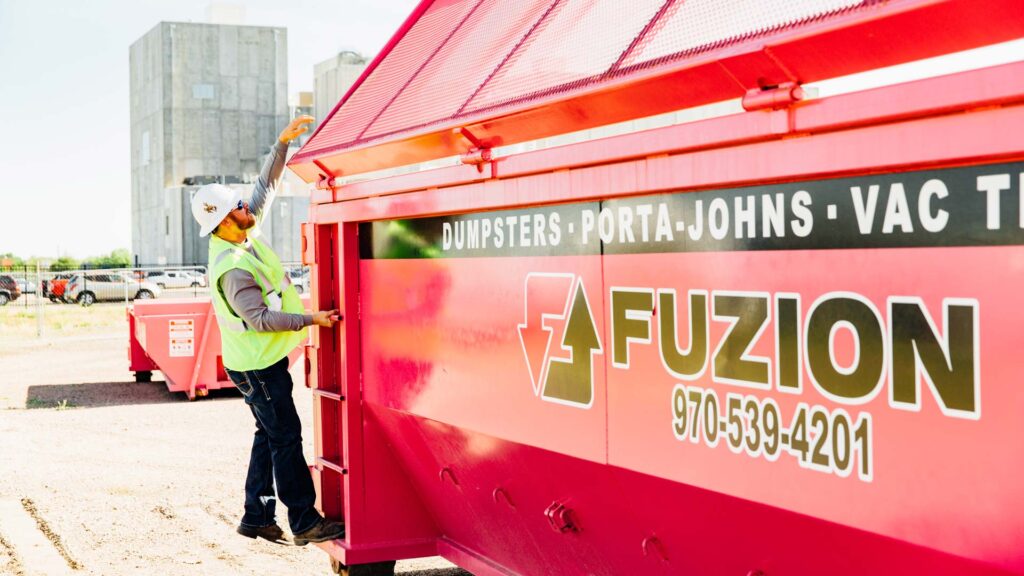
pixel 328 395
pixel 322 462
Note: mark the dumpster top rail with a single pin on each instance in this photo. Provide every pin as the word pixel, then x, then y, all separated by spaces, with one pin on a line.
pixel 464 76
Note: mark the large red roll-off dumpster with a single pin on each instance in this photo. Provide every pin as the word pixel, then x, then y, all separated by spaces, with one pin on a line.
pixel 782 341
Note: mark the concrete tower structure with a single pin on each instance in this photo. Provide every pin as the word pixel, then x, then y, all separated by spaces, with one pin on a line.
pixel 207 102
pixel 332 79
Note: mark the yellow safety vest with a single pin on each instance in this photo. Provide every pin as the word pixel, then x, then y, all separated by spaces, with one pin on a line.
pixel 243 348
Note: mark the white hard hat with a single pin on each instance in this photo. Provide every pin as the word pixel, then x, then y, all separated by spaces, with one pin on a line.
pixel 211 204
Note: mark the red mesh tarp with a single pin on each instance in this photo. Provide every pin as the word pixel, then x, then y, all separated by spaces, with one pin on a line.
pixel 390 77
pixel 461 60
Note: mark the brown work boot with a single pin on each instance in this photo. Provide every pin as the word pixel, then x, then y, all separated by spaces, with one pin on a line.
pixel 270 533
pixel 322 531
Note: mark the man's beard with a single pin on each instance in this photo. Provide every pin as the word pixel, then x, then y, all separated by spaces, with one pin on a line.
pixel 244 221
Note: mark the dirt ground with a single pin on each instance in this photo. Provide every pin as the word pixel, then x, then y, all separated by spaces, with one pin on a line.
pixel 124 478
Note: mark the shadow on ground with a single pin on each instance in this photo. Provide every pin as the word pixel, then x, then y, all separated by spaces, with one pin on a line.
pixel 99 394
pixel 438 572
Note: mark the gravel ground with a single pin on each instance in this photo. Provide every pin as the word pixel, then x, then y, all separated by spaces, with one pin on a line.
pixel 126 478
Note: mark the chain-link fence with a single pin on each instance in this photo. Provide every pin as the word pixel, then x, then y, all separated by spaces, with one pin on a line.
pixel 39 288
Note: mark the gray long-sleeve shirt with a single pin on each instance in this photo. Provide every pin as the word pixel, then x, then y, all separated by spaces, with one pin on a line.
pixel 239 287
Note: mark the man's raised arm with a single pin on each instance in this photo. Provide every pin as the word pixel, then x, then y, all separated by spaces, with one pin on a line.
pixel 264 190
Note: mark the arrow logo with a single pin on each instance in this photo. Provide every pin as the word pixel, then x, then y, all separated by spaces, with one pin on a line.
pixel 550 298
pixel 546 299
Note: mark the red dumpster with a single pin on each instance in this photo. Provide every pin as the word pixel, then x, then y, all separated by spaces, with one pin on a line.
pixel 179 337
pixel 782 341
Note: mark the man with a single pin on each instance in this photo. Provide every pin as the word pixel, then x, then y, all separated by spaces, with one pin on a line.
pixel 261 320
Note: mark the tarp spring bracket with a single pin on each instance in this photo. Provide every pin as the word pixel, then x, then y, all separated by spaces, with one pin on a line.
pixel 478 154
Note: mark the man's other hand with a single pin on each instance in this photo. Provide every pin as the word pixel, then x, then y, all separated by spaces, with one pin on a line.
pixel 296 128
pixel 326 318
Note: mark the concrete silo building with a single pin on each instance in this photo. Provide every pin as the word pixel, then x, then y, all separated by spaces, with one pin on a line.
pixel 207 102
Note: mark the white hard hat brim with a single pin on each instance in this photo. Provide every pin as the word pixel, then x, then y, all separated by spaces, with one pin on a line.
pixel 204 231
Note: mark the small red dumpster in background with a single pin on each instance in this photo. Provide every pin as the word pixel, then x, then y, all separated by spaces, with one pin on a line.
pixel 782 341
pixel 179 337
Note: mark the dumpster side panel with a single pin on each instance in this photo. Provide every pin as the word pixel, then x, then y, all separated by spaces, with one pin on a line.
pixel 913 473
pixel 138 361
pixel 439 345
pixel 493 497
pixel 722 371
pixel 489 498
pixel 173 340
pixel 706 532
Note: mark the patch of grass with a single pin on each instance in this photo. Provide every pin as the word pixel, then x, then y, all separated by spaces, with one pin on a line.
pixel 18 322
pixel 36 403
pixel 39 403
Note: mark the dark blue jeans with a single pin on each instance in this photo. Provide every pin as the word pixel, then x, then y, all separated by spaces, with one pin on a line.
pixel 276 451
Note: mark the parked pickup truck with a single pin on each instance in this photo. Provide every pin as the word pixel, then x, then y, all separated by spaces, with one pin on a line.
pixel 9 290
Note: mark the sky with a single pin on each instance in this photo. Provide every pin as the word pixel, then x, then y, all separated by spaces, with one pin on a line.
pixel 65 167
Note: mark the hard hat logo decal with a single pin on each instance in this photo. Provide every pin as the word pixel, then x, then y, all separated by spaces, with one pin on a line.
pixel 560 299
pixel 210 208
